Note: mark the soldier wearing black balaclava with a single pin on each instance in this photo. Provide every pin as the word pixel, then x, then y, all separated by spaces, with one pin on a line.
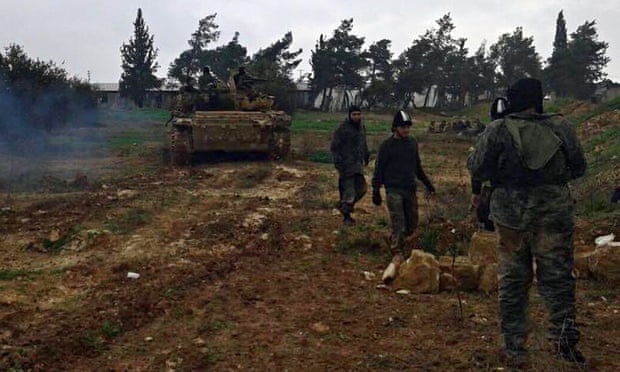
pixel 528 157
pixel 350 154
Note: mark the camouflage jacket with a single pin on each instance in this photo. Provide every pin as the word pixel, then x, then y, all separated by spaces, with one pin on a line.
pixel 524 197
pixel 349 149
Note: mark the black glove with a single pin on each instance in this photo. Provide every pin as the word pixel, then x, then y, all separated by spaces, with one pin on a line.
pixel 430 188
pixel 376 197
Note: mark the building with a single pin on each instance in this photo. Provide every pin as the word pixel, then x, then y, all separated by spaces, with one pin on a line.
pixel 163 97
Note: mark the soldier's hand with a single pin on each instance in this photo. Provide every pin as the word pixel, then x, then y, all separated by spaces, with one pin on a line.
pixel 376 197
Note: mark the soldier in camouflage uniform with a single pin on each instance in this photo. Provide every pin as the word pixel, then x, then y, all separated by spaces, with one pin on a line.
pixel 529 157
pixel 350 154
pixel 397 167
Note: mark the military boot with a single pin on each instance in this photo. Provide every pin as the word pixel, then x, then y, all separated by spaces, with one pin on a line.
pixel 570 353
pixel 347 219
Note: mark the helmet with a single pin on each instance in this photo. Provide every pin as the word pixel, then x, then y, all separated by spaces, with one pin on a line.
pixel 401 119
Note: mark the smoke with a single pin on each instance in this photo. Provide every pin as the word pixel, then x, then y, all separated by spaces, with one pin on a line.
pixel 39 130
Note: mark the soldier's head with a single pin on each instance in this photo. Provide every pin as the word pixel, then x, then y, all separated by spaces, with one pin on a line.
pixel 355 114
pixel 525 94
pixel 401 123
pixel 206 70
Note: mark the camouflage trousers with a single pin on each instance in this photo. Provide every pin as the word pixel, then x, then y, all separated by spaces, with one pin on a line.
pixel 352 189
pixel 403 207
pixel 553 254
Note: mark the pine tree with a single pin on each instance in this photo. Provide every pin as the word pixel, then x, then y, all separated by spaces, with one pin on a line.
pixel 138 63
pixel 588 59
pixel 557 72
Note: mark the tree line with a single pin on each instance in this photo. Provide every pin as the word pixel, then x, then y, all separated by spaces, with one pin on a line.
pixel 40 95
pixel 435 59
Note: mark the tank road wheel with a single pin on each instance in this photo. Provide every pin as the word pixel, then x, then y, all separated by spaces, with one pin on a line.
pixel 181 147
pixel 280 144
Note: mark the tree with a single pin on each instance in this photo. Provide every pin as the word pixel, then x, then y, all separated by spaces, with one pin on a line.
pixel 340 61
pixel 226 58
pixel 186 67
pixel 380 74
pixel 38 95
pixel 275 64
pixel 483 73
pixel 557 73
pixel 588 59
pixel 515 57
pixel 413 72
pixel 430 62
pixel 322 70
pixel 138 63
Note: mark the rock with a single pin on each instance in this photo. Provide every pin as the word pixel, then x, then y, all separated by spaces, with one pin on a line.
pixel 391 272
pixel 488 279
pixel 320 328
pixel 54 235
pixel 447 282
pixel 466 274
pixel 419 273
pixel 126 194
pixel 604 263
pixel 368 275
pixel 483 248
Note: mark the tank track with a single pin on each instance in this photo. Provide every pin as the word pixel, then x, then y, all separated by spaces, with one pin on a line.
pixel 181 147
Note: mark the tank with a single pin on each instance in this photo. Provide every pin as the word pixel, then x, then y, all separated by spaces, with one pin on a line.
pixel 224 120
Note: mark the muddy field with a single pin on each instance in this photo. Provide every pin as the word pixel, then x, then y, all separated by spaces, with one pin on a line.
pixel 242 265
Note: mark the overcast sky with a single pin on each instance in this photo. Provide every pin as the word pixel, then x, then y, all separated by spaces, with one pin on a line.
pixel 85 36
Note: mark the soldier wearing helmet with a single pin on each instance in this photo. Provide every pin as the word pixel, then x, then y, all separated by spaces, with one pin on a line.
pixel 397 167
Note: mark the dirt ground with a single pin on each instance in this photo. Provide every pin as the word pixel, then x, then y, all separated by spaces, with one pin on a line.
pixel 245 266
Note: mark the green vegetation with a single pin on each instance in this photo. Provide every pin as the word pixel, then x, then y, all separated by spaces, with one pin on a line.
pixel 132 116
pixel 12 274
pixel 429 239
pixel 357 240
pixel 129 221
pixel 318 121
pixel 321 156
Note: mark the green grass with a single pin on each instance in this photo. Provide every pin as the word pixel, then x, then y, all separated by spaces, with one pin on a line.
pixel 136 115
pixel 317 121
pixel 12 274
pixel 129 221
pixel 603 148
pixel 321 156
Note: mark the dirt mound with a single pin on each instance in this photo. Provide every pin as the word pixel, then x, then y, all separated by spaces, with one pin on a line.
pixel 578 108
pixel 596 125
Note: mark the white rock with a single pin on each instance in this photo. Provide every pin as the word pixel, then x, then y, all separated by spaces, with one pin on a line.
pixel 604 240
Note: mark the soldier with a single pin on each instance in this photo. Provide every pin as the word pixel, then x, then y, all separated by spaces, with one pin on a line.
pixel 397 167
pixel 207 82
pixel 528 157
pixel 350 154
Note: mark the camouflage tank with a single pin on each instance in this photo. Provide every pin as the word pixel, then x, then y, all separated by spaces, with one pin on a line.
pixel 224 120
